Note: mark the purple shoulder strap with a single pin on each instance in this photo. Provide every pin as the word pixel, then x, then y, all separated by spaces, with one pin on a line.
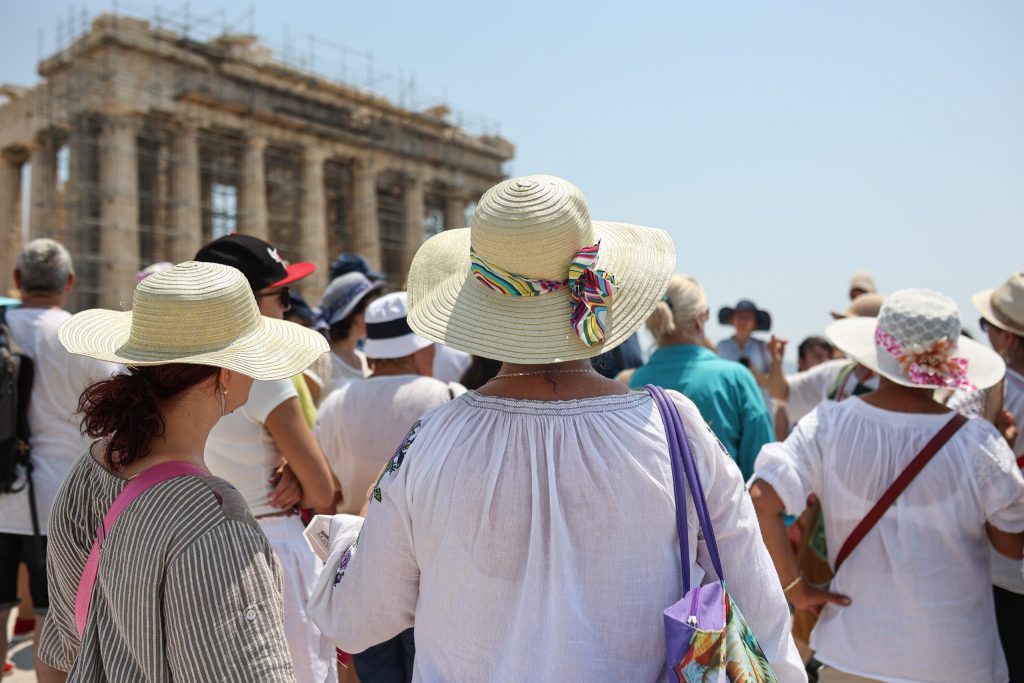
pixel 684 468
pixel 129 494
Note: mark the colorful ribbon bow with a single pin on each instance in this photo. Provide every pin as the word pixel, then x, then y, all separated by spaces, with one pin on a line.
pixel 935 366
pixel 590 290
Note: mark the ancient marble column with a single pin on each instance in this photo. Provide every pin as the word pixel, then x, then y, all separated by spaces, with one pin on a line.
pixel 43 187
pixel 119 213
pixel 314 221
pixel 254 190
pixel 454 213
pixel 186 207
pixel 365 222
pixel 10 221
pixel 415 223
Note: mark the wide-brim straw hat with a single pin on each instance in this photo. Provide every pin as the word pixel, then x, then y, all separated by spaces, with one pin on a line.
pixel 1003 306
pixel 864 306
pixel 913 320
pixel 534 227
pixel 198 313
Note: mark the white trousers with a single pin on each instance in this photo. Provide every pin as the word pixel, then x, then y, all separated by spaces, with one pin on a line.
pixel 313 656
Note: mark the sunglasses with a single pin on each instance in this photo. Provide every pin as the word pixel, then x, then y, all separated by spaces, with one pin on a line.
pixel 984 325
pixel 283 294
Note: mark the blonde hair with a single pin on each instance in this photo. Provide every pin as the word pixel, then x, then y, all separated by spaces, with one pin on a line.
pixel 684 303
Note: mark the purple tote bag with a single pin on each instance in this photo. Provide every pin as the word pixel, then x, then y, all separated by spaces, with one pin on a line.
pixel 707 640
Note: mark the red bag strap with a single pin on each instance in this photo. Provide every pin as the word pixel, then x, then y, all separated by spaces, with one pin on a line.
pixel 898 486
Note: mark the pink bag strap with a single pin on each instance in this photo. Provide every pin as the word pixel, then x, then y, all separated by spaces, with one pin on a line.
pixel 129 494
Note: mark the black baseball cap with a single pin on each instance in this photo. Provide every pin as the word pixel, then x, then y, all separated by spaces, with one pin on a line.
pixel 258 260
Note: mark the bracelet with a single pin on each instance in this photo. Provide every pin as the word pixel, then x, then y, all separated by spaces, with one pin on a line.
pixel 792 584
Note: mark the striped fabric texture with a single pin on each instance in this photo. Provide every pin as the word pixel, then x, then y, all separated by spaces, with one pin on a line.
pixel 589 288
pixel 188 587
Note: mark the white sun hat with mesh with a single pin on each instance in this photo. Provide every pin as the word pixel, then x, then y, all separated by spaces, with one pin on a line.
pixel 531 280
pixel 198 313
pixel 915 341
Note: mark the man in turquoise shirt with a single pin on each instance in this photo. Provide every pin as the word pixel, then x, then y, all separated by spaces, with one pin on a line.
pixel 725 392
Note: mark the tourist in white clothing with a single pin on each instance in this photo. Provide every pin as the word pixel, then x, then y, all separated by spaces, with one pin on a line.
pixel 1002 320
pixel 266 450
pixel 45 276
pixel 527 529
pixel 360 425
pixel 914 601
pixel 342 317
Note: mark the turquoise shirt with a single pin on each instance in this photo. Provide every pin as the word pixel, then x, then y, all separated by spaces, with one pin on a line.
pixel 725 392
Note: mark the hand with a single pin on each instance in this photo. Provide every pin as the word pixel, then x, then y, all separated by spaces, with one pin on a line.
pixel 287 492
pixel 811 599
pixel 777 349
pixel 1007 426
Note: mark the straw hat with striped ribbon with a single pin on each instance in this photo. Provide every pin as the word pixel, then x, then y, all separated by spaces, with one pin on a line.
pixel 200 313
pixel 535 280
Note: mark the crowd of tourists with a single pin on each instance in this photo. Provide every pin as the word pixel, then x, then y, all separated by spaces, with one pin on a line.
pixel 477 471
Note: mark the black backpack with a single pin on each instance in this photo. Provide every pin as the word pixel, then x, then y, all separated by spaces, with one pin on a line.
pixel 16 374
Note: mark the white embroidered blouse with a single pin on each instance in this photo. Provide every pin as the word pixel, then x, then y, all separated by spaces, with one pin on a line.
pixel 532 540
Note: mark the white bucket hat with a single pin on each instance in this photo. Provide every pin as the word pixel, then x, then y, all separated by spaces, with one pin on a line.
pixel 388 334
pixel 199 313
pixel 535 280
pixel 1004 305
pixel 915 341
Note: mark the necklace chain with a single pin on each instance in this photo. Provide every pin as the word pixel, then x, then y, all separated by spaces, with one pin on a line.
pixel 587 371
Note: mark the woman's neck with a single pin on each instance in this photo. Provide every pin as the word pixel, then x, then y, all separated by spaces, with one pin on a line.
pixel 551 382
pixel 184 439
pixel 900 399
pixel 742 338
pixel 346 350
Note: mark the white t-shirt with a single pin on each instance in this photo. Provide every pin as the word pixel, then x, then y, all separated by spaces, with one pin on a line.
pixel 57 441
pixel 342 373
pixel 922 605
pixel 450 364
pixel 242 451
pixel 809 388
pixel 1006 573
pixel 360 426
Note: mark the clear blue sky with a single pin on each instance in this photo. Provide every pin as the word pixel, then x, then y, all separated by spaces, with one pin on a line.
pixel 782 144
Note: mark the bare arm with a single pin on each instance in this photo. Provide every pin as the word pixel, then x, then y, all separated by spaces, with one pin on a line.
pixel 778 387
pixel 291 433
pixel 801 595
pixel 1005 543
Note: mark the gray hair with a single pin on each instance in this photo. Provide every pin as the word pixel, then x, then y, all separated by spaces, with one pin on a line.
pixel 44 266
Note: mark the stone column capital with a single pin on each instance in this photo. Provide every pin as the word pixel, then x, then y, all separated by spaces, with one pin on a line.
pixel 315 154
pixel 256 143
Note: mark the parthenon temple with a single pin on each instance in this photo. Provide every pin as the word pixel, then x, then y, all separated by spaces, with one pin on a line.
pixel 145 143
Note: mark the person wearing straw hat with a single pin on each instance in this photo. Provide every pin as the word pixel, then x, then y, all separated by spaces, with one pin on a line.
pixel 1002 320
pixel 911 578
pixel 861 283
pixel 724 392
pixel 187 586
pixel 267 451
pixel 528 529
pixel 358 427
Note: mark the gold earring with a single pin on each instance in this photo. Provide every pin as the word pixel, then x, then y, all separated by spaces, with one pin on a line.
pixel 223 402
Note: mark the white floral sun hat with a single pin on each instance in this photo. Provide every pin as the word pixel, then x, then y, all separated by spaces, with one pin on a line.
pixel 535 280
pixel 915 341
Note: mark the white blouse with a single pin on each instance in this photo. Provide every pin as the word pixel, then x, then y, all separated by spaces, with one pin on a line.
pixel 919 581
pixel 535 540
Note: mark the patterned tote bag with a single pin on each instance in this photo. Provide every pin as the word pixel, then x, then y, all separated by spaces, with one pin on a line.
pixel 707 640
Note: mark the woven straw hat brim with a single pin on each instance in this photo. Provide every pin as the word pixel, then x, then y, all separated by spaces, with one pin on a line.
pixel 277 349
pixel 448 306
pixel 983 302
pixel 856 338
